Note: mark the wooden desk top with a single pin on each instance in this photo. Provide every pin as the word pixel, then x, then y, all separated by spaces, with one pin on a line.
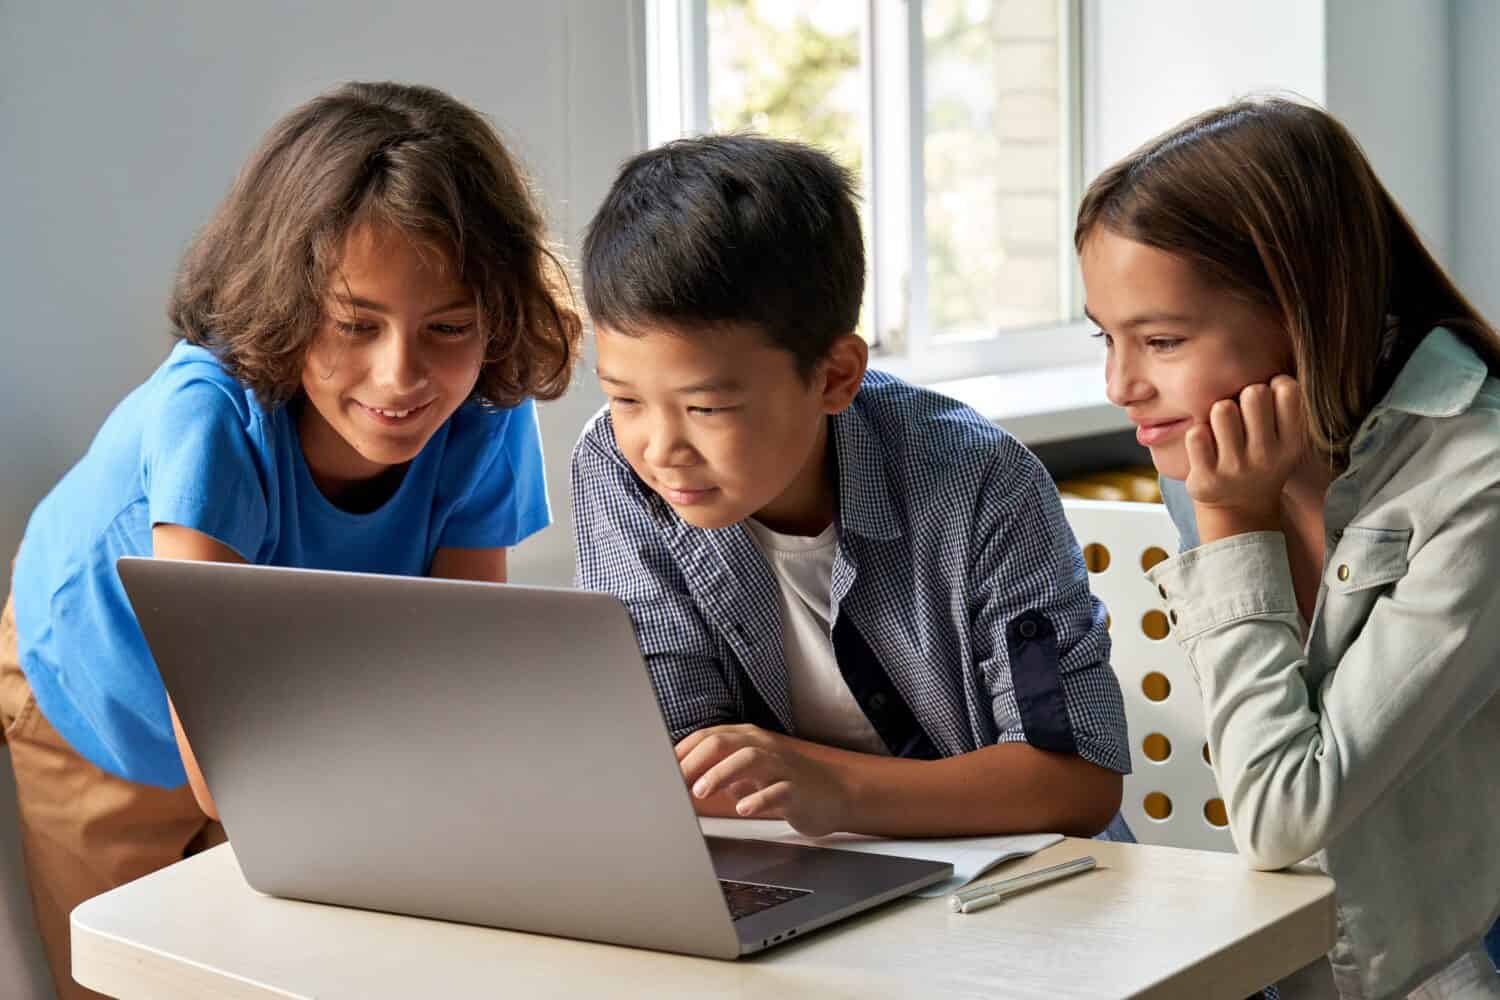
pixel 1151 922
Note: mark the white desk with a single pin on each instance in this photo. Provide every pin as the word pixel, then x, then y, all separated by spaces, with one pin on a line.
pixel 1153 922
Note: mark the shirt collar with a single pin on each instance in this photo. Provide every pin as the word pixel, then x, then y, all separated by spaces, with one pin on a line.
pixel 866 503
pixel 1440 379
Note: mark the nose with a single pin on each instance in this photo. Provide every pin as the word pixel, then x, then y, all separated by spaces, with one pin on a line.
pixel 399 366
pixel 1124 382
pixel 666 445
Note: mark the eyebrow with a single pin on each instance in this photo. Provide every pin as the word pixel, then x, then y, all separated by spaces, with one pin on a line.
pixel 370 305
pixel 1142 319
pixel 696 388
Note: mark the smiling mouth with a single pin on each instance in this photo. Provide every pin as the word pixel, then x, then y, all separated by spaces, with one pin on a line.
pixel 1156 433
pixel 389 416
pixel 677 496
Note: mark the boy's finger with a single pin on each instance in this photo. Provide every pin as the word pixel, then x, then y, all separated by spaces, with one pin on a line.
pixel 745 764
pixel 706 754
pixel 767 803
pixel 739 789
pixel 687 743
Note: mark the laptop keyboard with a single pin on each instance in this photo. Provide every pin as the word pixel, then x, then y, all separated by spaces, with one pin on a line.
pixel 745 898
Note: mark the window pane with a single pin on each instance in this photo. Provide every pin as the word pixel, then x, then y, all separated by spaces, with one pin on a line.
pixel 788 68
pixel 994 164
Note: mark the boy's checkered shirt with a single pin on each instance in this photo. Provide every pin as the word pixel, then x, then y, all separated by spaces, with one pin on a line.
pixel 954 563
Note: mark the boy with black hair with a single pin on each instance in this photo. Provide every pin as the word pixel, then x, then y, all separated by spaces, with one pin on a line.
pixel 858 600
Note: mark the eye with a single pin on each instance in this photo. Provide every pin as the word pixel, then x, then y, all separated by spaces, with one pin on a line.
pixel 1164 345
pixel 623 402
pixel 711 411
pixel 1101 335
pixel 354 328
pixel 453 331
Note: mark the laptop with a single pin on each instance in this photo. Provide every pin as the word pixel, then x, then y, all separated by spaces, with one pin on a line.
pixel 486 753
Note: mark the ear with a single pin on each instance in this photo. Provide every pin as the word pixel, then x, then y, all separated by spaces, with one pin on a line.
pixel 842 370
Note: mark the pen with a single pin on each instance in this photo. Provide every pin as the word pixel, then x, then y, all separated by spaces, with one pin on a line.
pixel 977 897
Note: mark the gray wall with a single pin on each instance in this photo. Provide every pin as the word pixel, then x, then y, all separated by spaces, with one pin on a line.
pixel 1382 66
pixel 1389 80
pixel 123 125
pixel 1475 28
pixel 1149 64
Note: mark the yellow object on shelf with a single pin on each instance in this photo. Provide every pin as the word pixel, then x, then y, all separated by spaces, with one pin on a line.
pixel 1135 483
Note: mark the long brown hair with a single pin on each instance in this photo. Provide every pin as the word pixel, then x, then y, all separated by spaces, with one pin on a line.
pixel 1273 200
pixel 251 286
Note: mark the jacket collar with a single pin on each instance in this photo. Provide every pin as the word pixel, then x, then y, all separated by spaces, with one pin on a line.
pixel 1440 379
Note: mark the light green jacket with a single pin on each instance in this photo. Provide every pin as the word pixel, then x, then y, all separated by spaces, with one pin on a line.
pixel 1369 743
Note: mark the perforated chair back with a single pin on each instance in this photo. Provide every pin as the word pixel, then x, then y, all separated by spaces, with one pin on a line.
pixel 23 965
pixel 1170 796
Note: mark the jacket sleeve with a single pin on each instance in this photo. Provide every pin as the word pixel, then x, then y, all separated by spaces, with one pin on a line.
pixel 1297 767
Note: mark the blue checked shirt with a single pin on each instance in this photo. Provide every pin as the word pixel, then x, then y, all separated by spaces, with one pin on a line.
pixel 954 565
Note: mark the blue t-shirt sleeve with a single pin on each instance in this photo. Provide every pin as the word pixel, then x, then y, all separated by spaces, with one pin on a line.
pixel 199 464
pixel 506 497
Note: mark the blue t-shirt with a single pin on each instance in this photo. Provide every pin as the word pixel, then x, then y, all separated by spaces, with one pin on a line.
pixel 193 447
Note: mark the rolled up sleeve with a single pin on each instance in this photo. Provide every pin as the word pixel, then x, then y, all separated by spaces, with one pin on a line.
pixel 1040 637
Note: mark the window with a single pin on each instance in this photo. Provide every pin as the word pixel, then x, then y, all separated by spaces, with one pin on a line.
pixel 962 120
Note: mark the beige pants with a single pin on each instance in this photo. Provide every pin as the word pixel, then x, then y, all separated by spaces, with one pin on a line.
pixel 83 831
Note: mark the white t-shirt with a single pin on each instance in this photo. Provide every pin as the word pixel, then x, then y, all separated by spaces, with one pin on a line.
pixel 823 708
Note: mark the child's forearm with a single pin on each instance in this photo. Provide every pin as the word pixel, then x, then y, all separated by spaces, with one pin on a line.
pixel 190 765
pixel 1215 523
pixel 1008 788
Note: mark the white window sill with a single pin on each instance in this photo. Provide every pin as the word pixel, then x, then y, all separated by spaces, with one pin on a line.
pixel 1041 405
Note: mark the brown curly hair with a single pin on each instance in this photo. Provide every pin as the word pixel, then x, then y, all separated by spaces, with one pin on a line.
pixel 251 286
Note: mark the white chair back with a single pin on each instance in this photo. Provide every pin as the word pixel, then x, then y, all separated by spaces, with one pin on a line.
pixel 23 965
pixel 1170 796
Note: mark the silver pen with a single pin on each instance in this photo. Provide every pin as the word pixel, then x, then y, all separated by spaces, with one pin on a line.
pixel 977 897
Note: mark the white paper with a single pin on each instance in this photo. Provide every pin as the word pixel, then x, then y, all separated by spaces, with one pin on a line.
pixel 970 857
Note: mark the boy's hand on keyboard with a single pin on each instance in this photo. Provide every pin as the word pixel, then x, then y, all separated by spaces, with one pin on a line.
pixel 769 775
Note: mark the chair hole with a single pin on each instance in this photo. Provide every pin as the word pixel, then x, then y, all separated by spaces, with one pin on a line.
pixel 1152 556
pixel 1096 557
pixel 1157 747
pixel 1206 758
pixel 1158 806
pixel 1155 686
pixel 1154 624
pixel 1216 814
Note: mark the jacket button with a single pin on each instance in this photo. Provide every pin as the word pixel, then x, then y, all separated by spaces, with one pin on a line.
pixel 1344 571
pixel 1027 629
pixel 877 702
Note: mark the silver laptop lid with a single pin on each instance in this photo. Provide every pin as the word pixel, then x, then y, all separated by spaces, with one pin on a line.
pixel 486 753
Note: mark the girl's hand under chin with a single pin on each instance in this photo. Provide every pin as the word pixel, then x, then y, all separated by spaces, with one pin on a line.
pixel 1241 459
